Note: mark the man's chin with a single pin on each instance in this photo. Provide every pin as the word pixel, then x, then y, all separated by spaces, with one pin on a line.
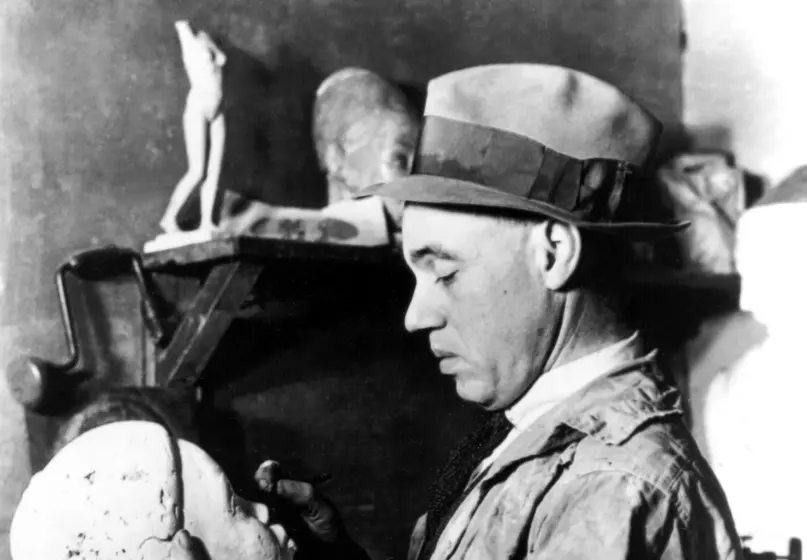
pixel 473 393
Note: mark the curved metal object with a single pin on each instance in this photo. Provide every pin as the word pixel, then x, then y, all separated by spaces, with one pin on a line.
pixel 107 262
pixel 38 384
pixel 46 387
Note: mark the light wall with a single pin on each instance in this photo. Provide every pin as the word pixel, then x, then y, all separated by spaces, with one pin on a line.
pixel 745 87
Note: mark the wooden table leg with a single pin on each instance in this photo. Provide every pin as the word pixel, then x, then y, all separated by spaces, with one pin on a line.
pixel 205 322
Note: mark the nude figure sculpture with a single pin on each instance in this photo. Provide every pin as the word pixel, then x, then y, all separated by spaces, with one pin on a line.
pixel 203 124
pixel 364 131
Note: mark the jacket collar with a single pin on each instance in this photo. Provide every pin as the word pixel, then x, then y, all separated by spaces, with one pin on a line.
pixel 561 382
pixel 611 409
pixel 616 406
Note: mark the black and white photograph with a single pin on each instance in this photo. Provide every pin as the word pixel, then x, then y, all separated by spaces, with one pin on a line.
pixel 403 279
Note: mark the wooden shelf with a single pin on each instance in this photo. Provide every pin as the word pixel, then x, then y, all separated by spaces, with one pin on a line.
pixel 257 249
pixel 684 280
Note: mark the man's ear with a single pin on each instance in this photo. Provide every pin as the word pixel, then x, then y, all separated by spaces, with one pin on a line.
pixel 556 248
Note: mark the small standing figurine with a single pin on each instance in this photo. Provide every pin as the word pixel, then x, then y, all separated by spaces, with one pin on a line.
pixel 203 124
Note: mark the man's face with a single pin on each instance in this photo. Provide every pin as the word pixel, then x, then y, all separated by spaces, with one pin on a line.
pixel 481 298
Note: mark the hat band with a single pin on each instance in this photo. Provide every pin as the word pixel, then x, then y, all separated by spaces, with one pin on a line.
pixel 514 164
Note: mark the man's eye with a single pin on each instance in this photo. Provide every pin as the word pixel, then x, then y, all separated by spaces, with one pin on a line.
pixel 446 279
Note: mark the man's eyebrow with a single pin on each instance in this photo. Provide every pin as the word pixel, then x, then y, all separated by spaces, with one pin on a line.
pixel 437 251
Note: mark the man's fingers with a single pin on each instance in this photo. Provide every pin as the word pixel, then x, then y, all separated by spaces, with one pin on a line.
pixel 301 494
pixel 319 517
pixel 267 474
pixel 184 547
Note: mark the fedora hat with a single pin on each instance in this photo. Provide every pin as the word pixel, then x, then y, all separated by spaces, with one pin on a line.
pixel 535 139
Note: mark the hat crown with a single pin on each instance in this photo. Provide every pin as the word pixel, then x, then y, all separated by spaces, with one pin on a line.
pixel 533 138
pixel 568 111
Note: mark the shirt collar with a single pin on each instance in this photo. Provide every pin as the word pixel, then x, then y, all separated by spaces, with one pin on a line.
pixel 611 408
pixel 561 382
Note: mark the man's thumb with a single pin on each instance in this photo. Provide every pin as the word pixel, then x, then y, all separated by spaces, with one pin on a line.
pixel 301 494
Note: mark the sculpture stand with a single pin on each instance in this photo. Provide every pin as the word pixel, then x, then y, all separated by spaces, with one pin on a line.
pixel 176 239
pixel 359 223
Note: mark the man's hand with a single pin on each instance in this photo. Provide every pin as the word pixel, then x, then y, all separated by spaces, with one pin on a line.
pixel 323 533
pixel 317 512
pixel 318 515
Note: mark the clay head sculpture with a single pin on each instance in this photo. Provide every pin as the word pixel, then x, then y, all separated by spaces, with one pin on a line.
pixel 122 490
pixel 365 132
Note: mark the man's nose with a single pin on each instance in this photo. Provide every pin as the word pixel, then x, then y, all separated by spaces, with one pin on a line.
pixel 423 313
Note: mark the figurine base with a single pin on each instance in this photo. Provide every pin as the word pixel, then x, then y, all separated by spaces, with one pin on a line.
pixel 361 223
pixel 166 241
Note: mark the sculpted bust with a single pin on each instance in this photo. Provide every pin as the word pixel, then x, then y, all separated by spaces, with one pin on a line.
pixel 365 132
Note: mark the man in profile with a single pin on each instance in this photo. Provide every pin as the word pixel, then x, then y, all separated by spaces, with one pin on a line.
pixel 515 230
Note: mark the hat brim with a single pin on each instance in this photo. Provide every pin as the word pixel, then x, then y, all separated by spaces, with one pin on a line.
pixel 429 189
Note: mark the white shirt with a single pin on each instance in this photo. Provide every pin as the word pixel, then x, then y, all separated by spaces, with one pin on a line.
pixel 550 389
pixel 559 383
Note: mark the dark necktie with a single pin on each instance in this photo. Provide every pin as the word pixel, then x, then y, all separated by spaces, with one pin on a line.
pixel 448 490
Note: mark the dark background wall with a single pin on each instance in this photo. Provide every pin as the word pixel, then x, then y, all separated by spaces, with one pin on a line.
pixel 93 93
pixel 91 147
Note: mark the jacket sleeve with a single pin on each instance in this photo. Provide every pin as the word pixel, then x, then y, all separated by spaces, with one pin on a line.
pixel 616 515
pixel 417 538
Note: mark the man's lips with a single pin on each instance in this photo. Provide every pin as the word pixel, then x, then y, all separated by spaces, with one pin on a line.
pixel 450 365
pixel 448 361
pixel 439 353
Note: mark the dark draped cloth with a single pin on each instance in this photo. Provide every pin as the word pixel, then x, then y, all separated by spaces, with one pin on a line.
pixel 449 488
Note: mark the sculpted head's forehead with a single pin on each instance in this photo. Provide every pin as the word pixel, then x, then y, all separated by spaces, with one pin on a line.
pixel 122 490
pixel 103 495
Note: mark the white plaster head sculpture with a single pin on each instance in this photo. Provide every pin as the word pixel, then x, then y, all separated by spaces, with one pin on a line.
pixel 123 490
pixel 771 258
pixel 365 132
pixel 753 404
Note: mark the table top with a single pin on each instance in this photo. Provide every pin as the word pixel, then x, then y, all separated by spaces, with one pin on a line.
pixel 255 248
pixel 258 249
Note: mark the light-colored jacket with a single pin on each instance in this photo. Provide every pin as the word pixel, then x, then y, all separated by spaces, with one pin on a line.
pixel 610 473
